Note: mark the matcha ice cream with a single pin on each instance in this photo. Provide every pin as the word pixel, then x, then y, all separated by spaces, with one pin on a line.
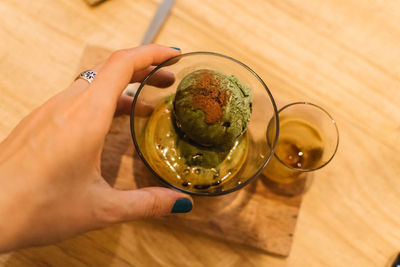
pixel 197 139
pixel 212 109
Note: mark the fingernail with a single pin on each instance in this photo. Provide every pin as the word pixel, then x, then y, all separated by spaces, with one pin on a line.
pixel 176 48
pixel 182 205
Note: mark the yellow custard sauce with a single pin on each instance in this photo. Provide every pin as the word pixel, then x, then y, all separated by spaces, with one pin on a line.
pixel 162 153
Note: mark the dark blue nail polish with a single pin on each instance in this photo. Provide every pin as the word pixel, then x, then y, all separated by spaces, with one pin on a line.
pixel 176 48
pixel 396 262
pixel 182 205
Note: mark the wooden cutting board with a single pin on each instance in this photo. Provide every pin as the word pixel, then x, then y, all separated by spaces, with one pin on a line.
pixel 255 216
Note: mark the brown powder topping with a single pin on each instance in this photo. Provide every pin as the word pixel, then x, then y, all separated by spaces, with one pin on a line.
pixel 208 97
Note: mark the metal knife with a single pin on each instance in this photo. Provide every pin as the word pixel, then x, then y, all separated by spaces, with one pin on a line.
pixel 158 20
pixel 151 32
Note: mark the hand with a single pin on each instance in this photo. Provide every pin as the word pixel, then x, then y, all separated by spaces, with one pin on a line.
pixel 51 186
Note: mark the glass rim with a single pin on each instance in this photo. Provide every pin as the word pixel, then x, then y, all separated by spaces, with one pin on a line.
pixel 337 137
pixel 138 150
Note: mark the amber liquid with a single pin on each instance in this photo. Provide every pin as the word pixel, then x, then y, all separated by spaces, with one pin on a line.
pixel 162 153
pixel 300 147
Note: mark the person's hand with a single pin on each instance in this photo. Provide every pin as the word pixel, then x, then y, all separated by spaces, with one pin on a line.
pixel 51 186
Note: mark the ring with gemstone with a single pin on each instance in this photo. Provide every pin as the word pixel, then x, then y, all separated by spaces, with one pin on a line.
pixel 88 75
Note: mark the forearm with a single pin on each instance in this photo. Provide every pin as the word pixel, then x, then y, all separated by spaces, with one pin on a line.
pixel 10 221
pixel 14 207
pixel 8 231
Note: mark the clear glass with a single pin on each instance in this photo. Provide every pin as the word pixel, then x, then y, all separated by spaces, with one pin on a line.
pixel 259 150
pixel 308 140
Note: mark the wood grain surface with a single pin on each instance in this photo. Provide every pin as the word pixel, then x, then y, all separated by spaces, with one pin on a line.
pixel 342 55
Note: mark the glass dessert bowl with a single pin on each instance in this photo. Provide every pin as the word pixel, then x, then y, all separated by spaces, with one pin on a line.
pixel 204 131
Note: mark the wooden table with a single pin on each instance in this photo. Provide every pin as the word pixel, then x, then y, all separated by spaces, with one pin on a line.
pixel 343 55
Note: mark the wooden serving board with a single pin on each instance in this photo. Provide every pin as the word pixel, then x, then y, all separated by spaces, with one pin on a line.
pixel 255 216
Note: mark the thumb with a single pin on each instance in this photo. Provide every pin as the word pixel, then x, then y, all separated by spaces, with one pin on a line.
pixel 151 202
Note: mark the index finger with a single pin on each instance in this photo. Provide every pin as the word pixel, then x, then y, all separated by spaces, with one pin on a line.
pixel 118 70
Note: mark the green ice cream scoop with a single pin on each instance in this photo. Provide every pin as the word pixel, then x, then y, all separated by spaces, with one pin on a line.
pixel 212 109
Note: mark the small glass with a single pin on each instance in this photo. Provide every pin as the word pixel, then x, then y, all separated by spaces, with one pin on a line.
pixel 308 140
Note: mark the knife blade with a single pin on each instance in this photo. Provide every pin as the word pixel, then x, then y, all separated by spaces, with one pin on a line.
pixel 158 20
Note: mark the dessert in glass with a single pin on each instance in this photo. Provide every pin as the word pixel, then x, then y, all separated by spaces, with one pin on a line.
pixel 206 133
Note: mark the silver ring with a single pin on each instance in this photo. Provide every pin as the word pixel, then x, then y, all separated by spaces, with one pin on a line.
pixel 88 75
